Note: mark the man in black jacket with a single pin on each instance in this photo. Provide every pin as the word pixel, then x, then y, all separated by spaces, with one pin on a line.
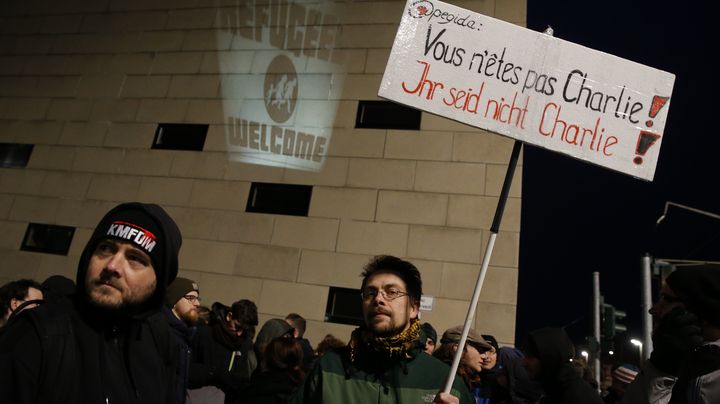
pixel 548 352
pixel 181 311
pixel 110 343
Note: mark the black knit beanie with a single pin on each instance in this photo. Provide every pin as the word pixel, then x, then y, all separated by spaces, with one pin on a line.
pixel 179 288
pixel 699 289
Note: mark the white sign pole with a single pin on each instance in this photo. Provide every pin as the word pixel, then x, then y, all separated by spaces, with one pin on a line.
pixel 494 228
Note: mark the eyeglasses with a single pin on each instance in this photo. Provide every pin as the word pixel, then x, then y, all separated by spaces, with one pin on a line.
pixel 192 298
pixel 389 293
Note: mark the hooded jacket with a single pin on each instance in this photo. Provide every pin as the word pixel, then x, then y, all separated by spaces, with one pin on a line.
pixel 77 352
pixel 558 378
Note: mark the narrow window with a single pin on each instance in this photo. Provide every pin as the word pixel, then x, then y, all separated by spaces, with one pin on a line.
pixel 279 199
pixel 344 306
pixel 48 238
pixel 15 155
pixel 180 136
pixel 387 115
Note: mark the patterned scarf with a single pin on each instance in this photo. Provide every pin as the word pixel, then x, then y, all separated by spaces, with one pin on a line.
pixel 400 346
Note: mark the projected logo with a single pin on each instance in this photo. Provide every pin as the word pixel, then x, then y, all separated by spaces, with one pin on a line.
pixel 281 89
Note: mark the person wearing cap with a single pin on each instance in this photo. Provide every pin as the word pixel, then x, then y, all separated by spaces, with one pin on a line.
pixel 110 343
pixel 384 361
pixel 430 338
pixel 548 354
pixel 181 311
pixel 684 366
pixel 472 358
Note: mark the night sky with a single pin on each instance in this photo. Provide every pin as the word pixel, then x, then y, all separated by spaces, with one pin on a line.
pixel 578 218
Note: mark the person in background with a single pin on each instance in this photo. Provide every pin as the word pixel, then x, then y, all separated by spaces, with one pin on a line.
pixel 281 372
pixel 181 302
pixel 298 323
pixel 430 338
pixel 472 357
pixel 384 361
pixel 15 296
pixel 548 353
pixel 328 343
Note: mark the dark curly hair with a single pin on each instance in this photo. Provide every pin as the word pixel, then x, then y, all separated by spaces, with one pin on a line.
pixel 394 265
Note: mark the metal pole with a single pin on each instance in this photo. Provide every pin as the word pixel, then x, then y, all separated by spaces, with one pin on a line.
pixel 597 305
pixel 646 305
pixel 494 228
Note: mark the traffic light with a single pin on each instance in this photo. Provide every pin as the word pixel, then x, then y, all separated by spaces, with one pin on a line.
pixel 611 321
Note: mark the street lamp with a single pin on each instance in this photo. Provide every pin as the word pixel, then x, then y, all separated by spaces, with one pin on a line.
pixel 585 355
pixel 638 344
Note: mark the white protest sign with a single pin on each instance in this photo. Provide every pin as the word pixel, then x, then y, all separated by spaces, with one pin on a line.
pixel 529 86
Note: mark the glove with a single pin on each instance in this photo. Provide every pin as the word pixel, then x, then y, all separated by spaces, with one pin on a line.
pixel 678 334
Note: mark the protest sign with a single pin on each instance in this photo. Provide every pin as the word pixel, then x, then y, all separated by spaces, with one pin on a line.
pixel 529 86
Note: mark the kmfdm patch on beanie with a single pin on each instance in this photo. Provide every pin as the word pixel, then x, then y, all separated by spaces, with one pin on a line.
pixel 135 234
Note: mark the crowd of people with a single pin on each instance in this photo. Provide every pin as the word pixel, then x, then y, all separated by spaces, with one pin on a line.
pixel 129 330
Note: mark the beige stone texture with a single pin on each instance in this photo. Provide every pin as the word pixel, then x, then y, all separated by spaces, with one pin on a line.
pixel 83 133
pixel 130 135
pixel 192 164
pixel 208 256
pixel 51 157
pixel 34 209
pixel 200 40
pixel 244 227
pixel 226 62
pixel 495 176
pixel 228 195
pixel 100 86
pixel 333 173
pixel 15 261
pixel 267 262
pixel 177 63
pixel 309 300
pixel 412 208
pixel 37 132
pixel 6 202
pixel 195 18
pixel 367 36
pixel 438 123
pixel 22 182
pixel 455 178
pixel 482 147
pixel 145 86
pixel 346 203
pixel 361 86
pixel 92 159
pixel 377 60
pixel 497 320
pixel 331 269
pixel 205 111
pixel 445 313
pixel 478 212
pixel 165 190
pixel 305 232
pixel 372 238
pixel 66 185
pixel 357 143
pixel 514 11
pixel 160 41
pixel 114 110
pixel 162 110
pixel 445 244
pixel 85 213
pixel 382 174
pixel 105 187
pixel 68 109
pixel 11 234
pixel 122 22
pixel 194 86
pixel 499 285
pixel 147 162
pixel 317 330
pixel 224 288
pixel 238 171
pixel 415 145
pixel 506 251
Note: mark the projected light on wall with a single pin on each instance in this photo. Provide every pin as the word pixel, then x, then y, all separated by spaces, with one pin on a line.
pixel 282 81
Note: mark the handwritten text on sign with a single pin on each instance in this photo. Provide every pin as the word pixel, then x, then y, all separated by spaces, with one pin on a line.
pixel 529 86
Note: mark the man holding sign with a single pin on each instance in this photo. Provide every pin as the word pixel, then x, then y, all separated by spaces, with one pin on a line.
pixel 384 361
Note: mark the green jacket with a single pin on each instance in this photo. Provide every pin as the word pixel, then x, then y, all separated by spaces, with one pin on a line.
pixel 376 379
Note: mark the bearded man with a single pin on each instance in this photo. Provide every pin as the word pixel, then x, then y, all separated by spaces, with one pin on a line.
pixel 181 310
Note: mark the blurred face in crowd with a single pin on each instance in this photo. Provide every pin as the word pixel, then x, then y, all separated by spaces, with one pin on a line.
pixel 386 307
pixel 429 346
pixel 666 303
pixel 119 275
pixel 489 359
pixel 32 294
pixel 235 325
pixel 186 308
pixel 472 357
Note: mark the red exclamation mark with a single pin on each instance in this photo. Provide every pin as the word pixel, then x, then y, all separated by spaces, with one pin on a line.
pixel 647 138
pixel 657 103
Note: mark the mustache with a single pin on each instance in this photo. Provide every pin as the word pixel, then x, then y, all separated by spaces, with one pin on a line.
pixel 106 278
pixel 379 310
